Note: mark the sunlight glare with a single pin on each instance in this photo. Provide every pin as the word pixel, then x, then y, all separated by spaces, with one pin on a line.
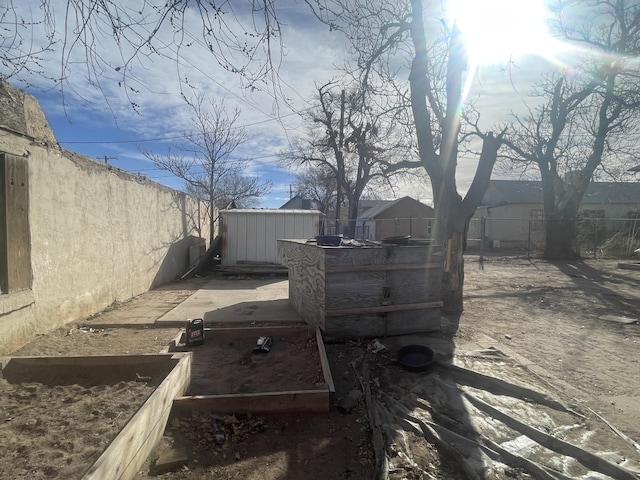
pixel 498 30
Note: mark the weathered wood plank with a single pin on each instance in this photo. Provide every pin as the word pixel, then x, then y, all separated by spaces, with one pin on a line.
pixel 381 255
pixel 383 309
pixel 352 290
pixel 123 458
pixel 379 268
pixel 92 361
pixel 365 289
pixel 275 402
pixel 326 370
pixel 243 332
pixel 382 325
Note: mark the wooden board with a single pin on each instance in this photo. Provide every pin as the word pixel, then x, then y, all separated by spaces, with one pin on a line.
pixel 629 265
pixel 124 457
pixel 273 402
pixel 317 398
pixel 128 451
pixel 381 325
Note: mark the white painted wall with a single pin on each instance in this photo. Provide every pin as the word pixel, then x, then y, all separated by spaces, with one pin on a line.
pixel 98 235
pixel 251 235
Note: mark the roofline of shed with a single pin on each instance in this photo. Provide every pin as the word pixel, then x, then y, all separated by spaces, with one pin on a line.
pixel 272 211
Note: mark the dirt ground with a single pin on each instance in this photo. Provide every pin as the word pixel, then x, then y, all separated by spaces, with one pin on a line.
pixel 576 323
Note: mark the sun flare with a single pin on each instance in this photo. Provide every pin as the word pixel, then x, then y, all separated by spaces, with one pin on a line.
pixel 498 30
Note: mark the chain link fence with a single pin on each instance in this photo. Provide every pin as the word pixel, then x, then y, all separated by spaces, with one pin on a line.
pixel 379 229
pixel 596 237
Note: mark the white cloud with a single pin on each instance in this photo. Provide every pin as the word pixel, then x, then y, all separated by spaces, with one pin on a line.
pixel 309 54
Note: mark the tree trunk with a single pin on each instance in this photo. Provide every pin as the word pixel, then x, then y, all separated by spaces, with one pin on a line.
pixel 560 236
pixel 453 272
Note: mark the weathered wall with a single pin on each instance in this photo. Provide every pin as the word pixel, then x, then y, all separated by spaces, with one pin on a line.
pixel 98 234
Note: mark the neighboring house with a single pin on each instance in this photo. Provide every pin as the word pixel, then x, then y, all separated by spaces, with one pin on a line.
pixel 297 203
pixel 404 216
pixel 514 216
pixel 363 206
pixel 78 235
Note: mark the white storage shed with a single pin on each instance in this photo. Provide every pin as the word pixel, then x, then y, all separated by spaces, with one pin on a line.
pixel 251 235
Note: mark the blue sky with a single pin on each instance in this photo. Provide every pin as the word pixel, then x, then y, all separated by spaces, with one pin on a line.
pixel 99 123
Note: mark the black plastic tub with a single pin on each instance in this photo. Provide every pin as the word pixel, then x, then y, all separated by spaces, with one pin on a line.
pixel 416 358
pixel 400 240
pixel 329 240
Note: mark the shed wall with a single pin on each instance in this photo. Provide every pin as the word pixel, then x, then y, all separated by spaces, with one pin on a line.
pixel 252 235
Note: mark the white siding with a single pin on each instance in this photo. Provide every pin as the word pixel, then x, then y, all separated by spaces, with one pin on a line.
pixel 252 235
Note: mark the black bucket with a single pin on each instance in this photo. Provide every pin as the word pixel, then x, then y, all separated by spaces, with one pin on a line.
pixel 195 332
pixel 416 358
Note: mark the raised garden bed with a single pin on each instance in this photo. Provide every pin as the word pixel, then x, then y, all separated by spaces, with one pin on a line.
pixel 228 377
pixel 85 417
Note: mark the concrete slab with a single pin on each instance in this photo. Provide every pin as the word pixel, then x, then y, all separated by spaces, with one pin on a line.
pixel 235 301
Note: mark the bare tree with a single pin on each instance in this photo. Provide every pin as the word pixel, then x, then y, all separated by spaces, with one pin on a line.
pixel 352 136
pixel 238 35
pixel 318 184
pixel 586 117
pixel 206 163
pixel 382 34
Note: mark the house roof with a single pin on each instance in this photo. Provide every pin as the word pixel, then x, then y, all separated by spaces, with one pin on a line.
pixel 376 210
pixel 516 191
pixel 379 208
pixel 304 202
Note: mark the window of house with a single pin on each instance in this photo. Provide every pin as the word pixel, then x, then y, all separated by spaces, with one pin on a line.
pixel 15 242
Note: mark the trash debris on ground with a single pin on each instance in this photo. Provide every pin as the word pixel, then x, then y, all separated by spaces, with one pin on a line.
pixel 489 414
pixel 263 345
pixel 351 400
pixel 376 346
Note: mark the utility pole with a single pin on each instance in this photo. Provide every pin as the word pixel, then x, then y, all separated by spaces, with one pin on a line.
pixel 340 165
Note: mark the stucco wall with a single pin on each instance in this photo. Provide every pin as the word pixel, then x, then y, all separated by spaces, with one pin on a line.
pixel 98 235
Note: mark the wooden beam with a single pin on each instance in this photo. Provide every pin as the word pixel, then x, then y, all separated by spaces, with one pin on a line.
pixel 383 309
pixel 282 331
pixel 93 361
pixel 274 402
pixel 326 370
pixel 382 267
pixel 124 457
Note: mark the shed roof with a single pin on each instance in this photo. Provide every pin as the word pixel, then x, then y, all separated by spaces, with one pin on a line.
pixel 517 191
pixel 271 211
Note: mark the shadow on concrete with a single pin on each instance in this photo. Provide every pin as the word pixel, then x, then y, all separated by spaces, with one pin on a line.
pixel 267 312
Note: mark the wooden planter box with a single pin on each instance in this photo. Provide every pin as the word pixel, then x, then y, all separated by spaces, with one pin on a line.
pixel 126 454
pixel 364 291
pixel 228 378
